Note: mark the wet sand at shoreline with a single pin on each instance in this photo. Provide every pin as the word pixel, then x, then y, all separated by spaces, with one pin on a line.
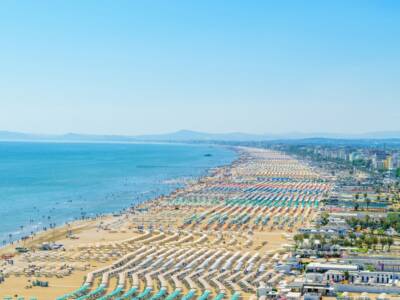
pixel 242 217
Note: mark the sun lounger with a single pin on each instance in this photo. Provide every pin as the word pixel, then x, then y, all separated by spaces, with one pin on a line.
pixel 128 294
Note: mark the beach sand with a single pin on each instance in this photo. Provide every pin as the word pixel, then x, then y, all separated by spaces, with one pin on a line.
pixel 160 227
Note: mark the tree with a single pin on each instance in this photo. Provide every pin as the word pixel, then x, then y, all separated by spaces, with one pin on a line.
pixel 381 231
pixel 363 236
pixel 367 220
pixel 389 242
pixel 374 241
pixel 299 238
pixel 368 202
pixel 382 241
pixel 347 243
pixel 346 275
pixel 324 219
pixel 353 222
pixel 368 242
pixel 352 237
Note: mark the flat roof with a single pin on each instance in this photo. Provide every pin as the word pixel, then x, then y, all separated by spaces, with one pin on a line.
pixel 316 265
pixel 335 272
pixel 319 287
pixel 293 294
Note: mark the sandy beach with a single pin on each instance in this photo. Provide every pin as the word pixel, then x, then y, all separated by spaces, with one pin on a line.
pixel 218 237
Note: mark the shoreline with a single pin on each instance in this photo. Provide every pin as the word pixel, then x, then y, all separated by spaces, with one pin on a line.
pixel 234 212
pixel 41 234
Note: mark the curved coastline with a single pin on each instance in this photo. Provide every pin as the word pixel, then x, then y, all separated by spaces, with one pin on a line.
pixel 235 212
pixel 82 223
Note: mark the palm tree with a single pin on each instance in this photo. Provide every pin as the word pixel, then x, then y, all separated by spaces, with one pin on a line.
pixel 382 241
pixel 368 202
pixel 389 242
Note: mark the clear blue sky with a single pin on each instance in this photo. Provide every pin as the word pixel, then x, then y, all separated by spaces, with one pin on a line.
pixel 132 67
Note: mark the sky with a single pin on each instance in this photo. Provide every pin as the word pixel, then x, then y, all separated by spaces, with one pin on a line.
pixel 140 67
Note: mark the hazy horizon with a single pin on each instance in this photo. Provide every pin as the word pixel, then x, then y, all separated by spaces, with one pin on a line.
pixel 207 132
pixel 301 134
pixel 133 68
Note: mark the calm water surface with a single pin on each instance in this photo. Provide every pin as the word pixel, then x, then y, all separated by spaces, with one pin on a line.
pixel 44 183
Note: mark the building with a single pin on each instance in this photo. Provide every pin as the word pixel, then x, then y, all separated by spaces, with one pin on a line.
pixel 388 163
pixel 370 277
pixel 362 277
pixel 380 263
pixel 323 267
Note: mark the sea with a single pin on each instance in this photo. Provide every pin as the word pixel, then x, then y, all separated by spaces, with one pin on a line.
pixel 48 184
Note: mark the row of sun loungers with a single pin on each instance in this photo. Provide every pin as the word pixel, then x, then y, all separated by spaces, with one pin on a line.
pixel 205 259
pixel 221 270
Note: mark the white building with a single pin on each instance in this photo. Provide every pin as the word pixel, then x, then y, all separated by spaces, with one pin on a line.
pixel 323 267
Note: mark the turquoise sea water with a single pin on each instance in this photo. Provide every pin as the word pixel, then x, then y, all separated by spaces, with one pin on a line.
pixel 45 183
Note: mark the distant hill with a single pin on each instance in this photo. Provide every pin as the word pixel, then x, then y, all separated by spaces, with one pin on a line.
pixel 18 136
pixel 188 135
pixel 182 135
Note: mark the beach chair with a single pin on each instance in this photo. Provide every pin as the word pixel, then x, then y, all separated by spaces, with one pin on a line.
pixel 205 295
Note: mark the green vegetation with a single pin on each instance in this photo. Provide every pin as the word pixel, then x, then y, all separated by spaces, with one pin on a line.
pixel 361 250
pixel 391 221
pixel 324 219
pixel 363 242
pixel 370 268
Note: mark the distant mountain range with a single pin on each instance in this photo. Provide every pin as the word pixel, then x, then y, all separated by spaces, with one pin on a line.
pixel 188 135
